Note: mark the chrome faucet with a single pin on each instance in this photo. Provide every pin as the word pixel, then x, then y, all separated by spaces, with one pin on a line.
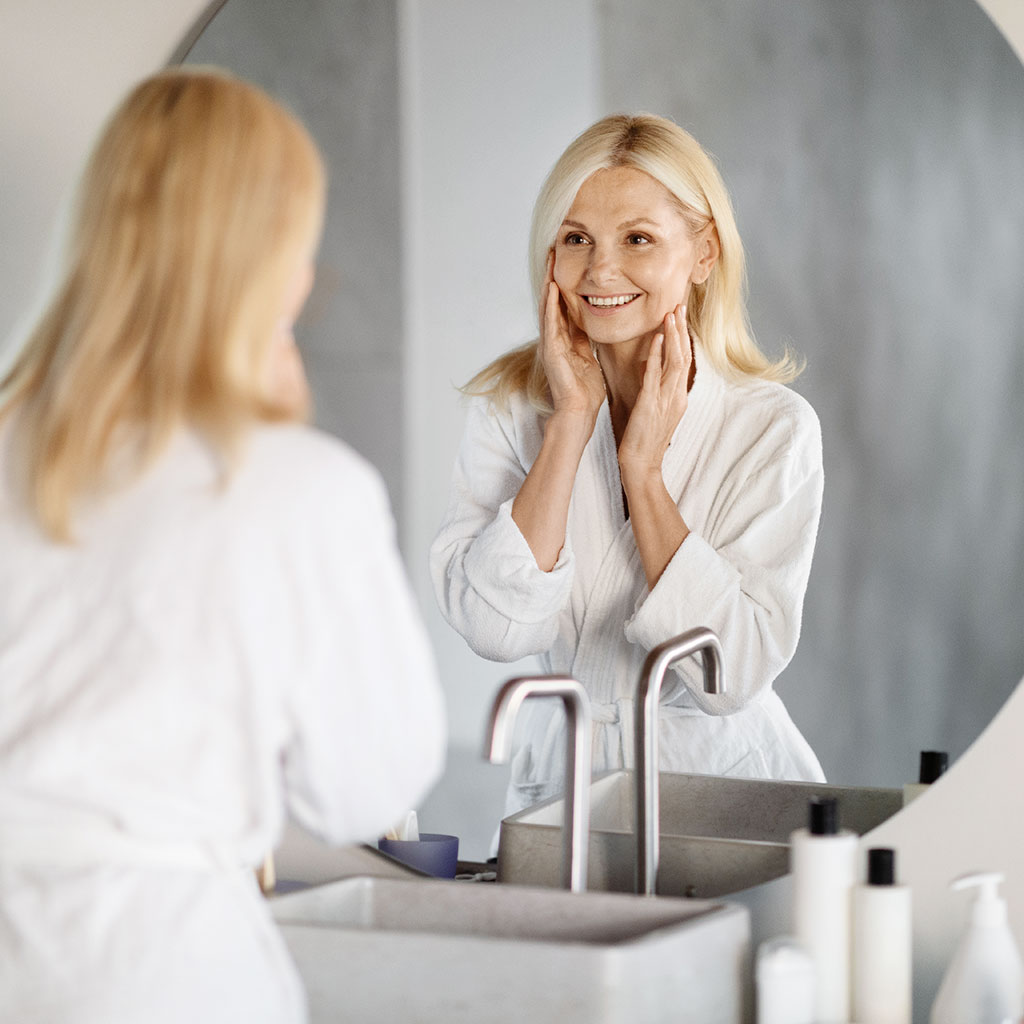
pixel 648 697
pixel 498 748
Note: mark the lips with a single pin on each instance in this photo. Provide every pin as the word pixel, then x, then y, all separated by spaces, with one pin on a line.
pixel 609 301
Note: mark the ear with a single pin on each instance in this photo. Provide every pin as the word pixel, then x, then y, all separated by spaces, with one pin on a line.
pixel 709 248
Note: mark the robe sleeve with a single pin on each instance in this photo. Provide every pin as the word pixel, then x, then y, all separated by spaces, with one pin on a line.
pixel 367 726
pixel 486 579
pixel 746 580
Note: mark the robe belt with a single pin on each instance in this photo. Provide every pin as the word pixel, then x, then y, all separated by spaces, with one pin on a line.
pixel 614 742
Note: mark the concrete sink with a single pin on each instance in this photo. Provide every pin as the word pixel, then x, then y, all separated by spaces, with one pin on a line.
pixel 718 835
pixel 376 949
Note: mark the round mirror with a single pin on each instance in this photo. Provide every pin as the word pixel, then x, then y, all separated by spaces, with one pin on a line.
pixel 874 153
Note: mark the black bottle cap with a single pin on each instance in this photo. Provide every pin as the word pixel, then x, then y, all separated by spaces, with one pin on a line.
pixel 933 764
pixel 824 816
pixel 881 866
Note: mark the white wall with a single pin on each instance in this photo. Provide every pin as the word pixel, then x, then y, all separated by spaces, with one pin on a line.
pixel 63 66
pixel 493 92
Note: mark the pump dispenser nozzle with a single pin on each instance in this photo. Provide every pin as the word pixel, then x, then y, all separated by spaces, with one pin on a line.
pixel 989 908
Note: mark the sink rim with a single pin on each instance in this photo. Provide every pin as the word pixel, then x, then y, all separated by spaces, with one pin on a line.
pixel 606 780
pixel 634 919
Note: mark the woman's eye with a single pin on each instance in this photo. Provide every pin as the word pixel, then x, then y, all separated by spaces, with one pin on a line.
pixel 638 240
pixel 575 238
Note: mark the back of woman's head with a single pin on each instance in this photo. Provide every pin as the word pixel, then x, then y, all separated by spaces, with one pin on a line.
pixel 201 197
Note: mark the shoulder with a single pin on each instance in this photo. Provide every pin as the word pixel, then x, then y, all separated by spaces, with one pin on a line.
pixel 773 402
pixel 295 465
pixel 779 421
pixel 517 423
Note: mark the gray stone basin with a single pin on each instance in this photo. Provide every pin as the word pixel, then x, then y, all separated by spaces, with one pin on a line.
pixel 411 950
pixel 718 835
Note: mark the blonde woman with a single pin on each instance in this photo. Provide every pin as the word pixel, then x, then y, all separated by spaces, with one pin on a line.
pixel 195 588
pixel 639 470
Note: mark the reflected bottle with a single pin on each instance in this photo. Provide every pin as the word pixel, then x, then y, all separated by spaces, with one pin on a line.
pixel 933 764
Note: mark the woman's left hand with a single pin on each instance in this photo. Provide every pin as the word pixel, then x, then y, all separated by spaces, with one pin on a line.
pixel 662 400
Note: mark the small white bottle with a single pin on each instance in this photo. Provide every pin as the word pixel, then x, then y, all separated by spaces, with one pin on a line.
pixel 882 961
pixel 823 859
pixel 785 982
pixel 984 983
pixel 933 764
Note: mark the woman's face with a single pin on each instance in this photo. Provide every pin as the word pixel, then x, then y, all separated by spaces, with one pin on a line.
pixel 624 256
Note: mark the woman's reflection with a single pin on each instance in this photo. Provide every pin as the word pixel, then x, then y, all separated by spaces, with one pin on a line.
pixel 637 471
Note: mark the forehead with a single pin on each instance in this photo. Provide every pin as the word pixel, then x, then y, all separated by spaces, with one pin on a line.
pixel 622 195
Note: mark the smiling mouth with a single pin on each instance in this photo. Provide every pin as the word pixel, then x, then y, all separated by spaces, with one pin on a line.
pixel 604 301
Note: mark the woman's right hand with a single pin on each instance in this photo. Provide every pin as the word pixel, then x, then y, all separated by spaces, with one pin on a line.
pixel 573 373
pixel 541 508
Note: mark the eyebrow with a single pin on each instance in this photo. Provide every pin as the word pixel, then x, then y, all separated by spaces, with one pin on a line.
pixel 622 227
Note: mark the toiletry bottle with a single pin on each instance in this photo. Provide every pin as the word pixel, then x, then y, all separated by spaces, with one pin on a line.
pixel 933 764
pixel 785 982
pixel 882 944
pixel 823 860
pixel 984 983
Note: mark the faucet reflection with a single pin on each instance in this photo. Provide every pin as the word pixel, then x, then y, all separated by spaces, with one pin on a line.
pixel 498 747
pixel 648 813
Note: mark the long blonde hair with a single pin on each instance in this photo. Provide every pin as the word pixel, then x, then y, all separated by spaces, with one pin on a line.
pixel 199 199
pixel 716 310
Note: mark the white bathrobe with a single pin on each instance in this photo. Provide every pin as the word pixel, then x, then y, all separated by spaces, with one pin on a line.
pixel 199 661
pixel 745 469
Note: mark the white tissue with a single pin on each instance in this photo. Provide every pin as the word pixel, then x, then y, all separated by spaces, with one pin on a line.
pixel 410 831
pixel 407 831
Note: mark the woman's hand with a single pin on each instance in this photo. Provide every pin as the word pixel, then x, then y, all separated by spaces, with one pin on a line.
pixel 541 508
pixel 661 403
pixel 573 373
pixel 658 526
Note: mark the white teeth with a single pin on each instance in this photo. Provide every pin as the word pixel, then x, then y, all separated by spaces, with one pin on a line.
pixel 611 300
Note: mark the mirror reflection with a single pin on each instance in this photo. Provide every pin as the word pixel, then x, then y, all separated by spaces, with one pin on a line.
pixel 638 470
pixel 873 155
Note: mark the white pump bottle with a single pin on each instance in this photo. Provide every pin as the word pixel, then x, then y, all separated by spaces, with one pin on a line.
pixel 984 983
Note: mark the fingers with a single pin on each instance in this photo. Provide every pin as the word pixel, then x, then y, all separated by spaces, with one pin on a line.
pixel 677 348
pixel 652 371
pixel 549 277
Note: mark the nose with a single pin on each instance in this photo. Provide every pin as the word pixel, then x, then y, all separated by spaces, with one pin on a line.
pixel 602 267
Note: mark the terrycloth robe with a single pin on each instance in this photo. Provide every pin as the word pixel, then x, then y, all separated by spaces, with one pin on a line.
pixel 205 656
pixel 745 469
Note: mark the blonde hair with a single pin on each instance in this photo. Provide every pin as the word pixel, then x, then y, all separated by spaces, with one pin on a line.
pixel 716 310
pixel 198 201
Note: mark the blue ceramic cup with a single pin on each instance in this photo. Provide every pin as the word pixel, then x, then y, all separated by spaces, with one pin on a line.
pixel 432 853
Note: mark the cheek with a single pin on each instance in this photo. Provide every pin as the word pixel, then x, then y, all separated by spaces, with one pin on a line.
pixel 566 276
pixel 675 279
pixel 561 272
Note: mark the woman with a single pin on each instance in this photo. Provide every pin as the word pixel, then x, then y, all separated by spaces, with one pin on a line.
pixel 638 471
pixel 195 589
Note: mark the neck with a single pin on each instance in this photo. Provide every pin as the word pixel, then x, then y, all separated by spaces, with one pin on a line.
pixel 623 367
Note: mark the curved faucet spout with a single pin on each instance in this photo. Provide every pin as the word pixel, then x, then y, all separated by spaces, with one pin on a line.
pixel 498 748
pixel 648 697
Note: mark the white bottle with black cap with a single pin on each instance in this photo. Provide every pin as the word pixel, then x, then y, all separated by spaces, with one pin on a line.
pixel 823 859
pixel 882 944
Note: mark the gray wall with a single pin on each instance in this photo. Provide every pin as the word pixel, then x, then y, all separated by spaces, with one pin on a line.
pixel 336 65
pixel 875 151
